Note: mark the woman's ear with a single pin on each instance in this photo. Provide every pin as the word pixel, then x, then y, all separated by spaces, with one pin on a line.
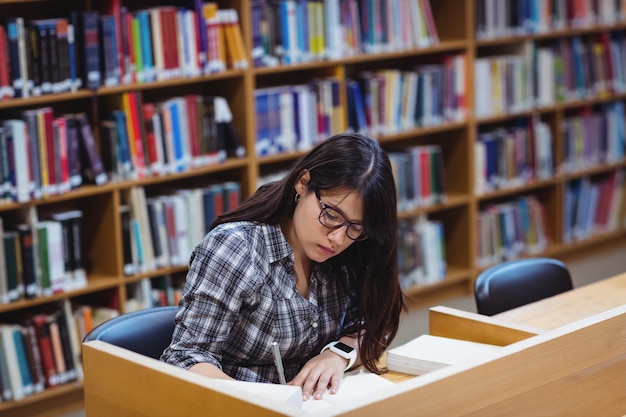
pixel 303 181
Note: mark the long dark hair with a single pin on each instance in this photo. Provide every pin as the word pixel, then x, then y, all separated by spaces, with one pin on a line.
pixel 358 163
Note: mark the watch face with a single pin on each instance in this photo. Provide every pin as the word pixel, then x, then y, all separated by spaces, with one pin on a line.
pixel 343 347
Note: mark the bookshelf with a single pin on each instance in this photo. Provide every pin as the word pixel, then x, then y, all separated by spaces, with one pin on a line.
pixel 460 214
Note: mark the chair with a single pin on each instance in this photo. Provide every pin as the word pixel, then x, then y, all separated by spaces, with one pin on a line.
pixel 147 331
pixel 515 283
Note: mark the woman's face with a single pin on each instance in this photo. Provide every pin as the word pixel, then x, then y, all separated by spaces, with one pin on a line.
pixel 318 242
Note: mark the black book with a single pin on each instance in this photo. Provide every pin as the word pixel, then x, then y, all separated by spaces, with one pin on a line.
pixel 73 152
pixel 129 266
pixel 66 346
pixel 87 38
pixel 93 169
pixel 29 270
pixel 153 221
pixel 34 58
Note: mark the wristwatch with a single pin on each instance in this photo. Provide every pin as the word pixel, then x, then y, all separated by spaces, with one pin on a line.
pixel 342 350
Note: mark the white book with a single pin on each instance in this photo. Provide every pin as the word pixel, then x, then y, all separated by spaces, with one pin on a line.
pixel 22 187
pixel 11 362
pixel 355 386
pixel 182 228
pixel 428 353
pixel 287 137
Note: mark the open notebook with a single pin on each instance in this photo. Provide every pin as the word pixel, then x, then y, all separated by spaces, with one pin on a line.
pixel 355 385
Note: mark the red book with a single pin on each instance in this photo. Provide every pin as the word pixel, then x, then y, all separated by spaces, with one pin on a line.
pixel 172 26
pixel 194 131
pixel 52 156
pixel 5 82
pixel 132 70
pixel 45 349
pixel 151 148
pixel 425 176
pixel 60 132
pixel 130 107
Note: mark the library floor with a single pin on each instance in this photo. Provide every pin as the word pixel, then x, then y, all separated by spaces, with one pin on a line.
pixel 584 269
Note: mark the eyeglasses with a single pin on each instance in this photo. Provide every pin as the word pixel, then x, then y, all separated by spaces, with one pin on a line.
pixel 333 219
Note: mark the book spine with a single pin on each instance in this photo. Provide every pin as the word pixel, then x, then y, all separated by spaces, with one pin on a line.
pixel 89 147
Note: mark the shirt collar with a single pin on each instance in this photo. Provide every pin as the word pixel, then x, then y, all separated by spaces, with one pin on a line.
pixel 277 246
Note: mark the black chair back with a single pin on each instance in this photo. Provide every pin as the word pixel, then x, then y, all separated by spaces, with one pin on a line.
pixel 515 283
pixel 147 331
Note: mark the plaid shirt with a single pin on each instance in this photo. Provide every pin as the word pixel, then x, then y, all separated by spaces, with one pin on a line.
pixel 240 295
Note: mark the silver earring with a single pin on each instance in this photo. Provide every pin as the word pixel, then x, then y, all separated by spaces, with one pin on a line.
pixel 297 198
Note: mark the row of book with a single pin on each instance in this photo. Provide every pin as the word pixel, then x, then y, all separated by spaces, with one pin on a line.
pixel 153 292
pixel 595 136
pixel 141 139
pixel 421 252
pixel 287 32
pixel 419 175
pixel 510 156
pixel 162 230
pixel 531 74
pixel 39 258
pixel 391 101
pixel 511 229
pixel 497 18
pixel 43 155
pixel 580 67
pixel 113 46
pixel 593 205
pixel 296 117
pixel 42 351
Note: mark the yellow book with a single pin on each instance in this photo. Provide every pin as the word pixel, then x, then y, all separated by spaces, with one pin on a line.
pixel 43 155
pixel 235 55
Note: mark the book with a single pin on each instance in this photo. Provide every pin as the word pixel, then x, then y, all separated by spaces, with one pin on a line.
pixel 428 353
pixel 4 284
pixel 42 330
pixel 73 258
pixel 92 163
pixel 34 355
pixel 355 386
pixel 28 259
pixel 12 363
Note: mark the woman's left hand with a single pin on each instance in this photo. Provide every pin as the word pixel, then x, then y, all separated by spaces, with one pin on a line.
pixel 323 372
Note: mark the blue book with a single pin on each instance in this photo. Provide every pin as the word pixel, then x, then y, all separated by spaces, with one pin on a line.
pixel 75 80
pixel 109 50
pixel 172 107
pixel 302 25
pixel 146 45
pixel 22 359
pixel 287 14
pixel 213 204
pixel 263 143
pixel 123 147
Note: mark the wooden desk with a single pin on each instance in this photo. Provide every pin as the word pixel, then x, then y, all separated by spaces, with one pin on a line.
pixel 570 306
pixel 576 366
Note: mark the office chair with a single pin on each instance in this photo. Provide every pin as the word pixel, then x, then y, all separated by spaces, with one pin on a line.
pixel 147 331
pixel 515 283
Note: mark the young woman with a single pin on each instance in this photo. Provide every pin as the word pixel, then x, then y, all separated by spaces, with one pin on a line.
pixel 308 262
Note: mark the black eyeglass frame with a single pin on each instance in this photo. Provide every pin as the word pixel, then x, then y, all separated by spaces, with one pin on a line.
pixel 325 209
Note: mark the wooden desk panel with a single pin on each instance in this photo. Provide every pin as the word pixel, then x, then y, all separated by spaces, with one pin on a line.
pixel 570 306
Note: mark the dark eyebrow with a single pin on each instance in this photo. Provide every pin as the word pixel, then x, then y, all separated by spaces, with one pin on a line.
pixel 360 223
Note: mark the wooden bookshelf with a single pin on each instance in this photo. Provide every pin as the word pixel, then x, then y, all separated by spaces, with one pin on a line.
pixel 455 21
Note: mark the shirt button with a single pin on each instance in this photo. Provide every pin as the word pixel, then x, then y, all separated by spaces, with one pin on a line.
pixel 314 324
